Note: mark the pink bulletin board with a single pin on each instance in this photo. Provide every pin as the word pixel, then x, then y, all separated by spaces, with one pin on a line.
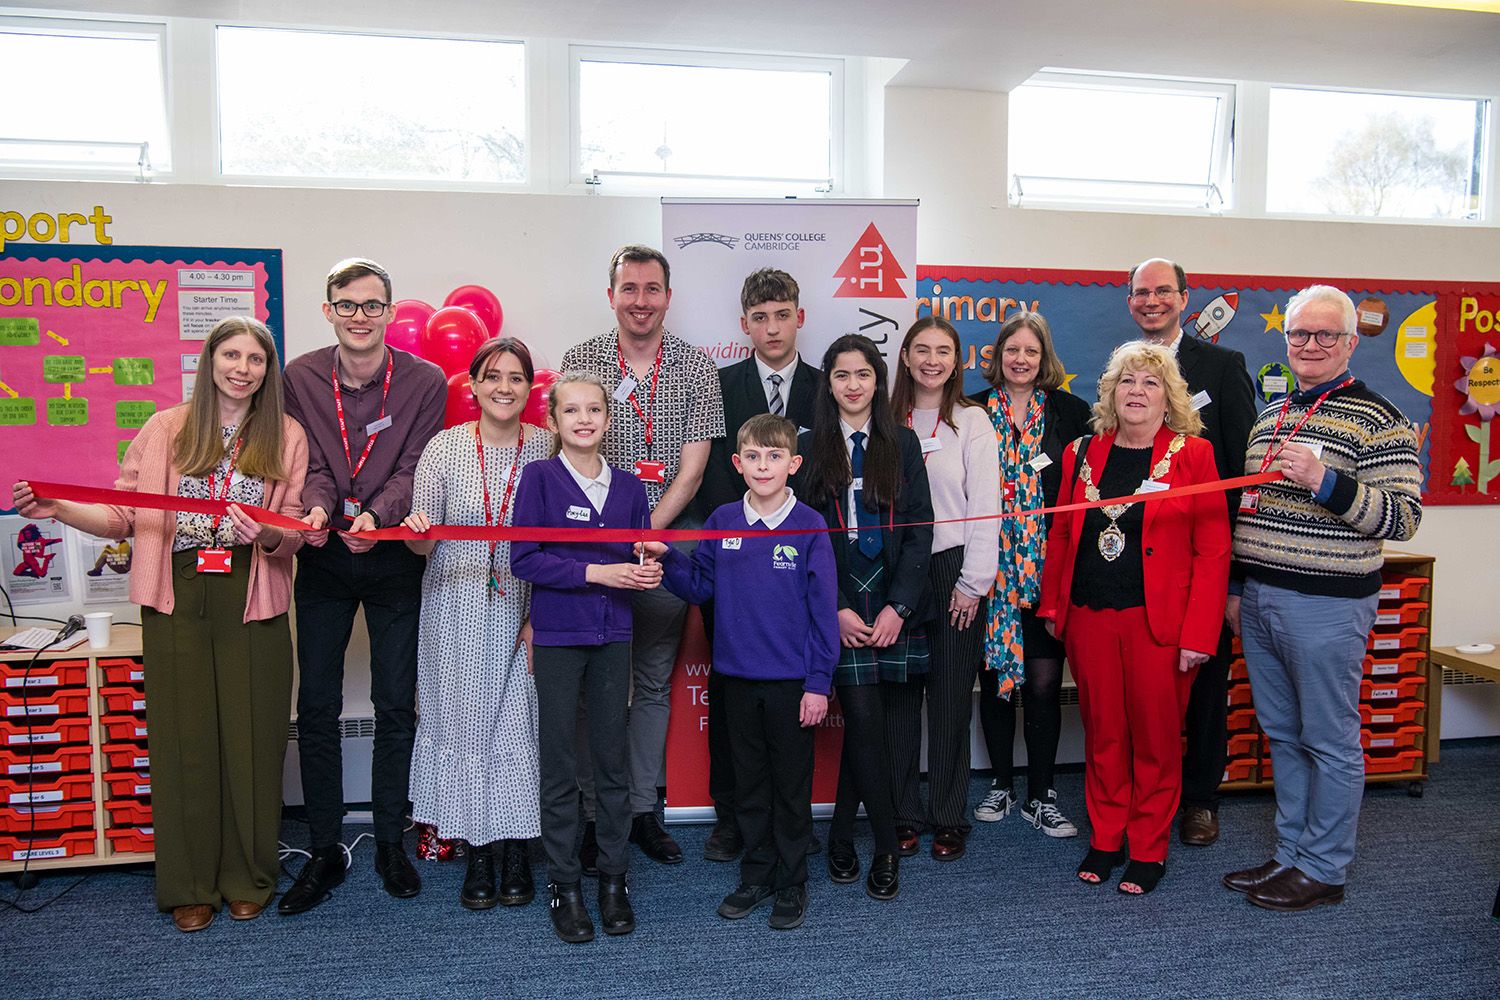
pixel 93 341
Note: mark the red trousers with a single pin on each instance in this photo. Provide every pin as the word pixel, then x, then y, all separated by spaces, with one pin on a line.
pixel 1132 698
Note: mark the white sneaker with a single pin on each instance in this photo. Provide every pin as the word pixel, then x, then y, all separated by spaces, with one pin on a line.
pixel 1044 816
pixel 996 804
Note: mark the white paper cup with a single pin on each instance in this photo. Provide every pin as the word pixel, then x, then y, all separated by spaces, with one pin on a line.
pixel 98 623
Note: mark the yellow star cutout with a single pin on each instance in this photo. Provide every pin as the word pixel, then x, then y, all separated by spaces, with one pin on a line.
pixel 1273 319
pixel 1067 382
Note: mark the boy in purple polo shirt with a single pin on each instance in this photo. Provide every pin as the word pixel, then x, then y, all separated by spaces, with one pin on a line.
pixel 776 643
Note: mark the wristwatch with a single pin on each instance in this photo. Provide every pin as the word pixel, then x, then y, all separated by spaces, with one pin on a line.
pixel 901 610
pixel 373 516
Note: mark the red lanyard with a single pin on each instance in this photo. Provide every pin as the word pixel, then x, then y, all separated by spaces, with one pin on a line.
pixel 338 405
pixel 646 414
pixel 1270 455
pixel 925 453
pixel 510 482
pixel 234 457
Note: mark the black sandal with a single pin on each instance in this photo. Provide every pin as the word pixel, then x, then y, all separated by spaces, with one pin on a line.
pixel 1099 864
pixel 1142 874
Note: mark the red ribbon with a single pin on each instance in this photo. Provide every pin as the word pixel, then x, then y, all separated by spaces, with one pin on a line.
pixel 441 532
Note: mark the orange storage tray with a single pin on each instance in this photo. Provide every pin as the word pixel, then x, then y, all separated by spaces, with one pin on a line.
pixel 1238 671
pixel 55 845
pixel 53 816
pixel 1403 588
pixel 132 840
pixel 1239 694
pixel 1244 744
pixel 58 760
pixel 128 812
pixel 1391 715
pixel 1391 737
pixel 1406 687
pixel 125 757
pixel 1383 667
pixel 122 670
pixel 1241 720
pixel 1240 770
pixel 44 703
pixel 128 784
pixel 1398 639
pixel 19 791
pixel 1388 762
pixel 44 732
pixel 123 728
pixel 122 699
pixel 46 674
pixel 1408 613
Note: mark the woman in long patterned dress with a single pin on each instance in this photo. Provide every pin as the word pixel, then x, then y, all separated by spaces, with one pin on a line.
pixel 474 772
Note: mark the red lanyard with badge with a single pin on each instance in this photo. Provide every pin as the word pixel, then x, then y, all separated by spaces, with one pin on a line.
pixel 646 470
pixel 1250 499
pixel 352 507
pixel 492 585
pixel 215 558
pixel 930 443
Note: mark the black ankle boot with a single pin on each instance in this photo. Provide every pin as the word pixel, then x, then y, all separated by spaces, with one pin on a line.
pixel 516 886
pixel 479 882
pixel 570 918
pixel 615 913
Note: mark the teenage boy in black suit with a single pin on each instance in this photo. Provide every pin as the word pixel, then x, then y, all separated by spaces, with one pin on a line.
pixel 776 380
pixel 1224 397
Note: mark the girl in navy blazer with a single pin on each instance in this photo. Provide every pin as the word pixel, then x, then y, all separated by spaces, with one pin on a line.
pixel 580 616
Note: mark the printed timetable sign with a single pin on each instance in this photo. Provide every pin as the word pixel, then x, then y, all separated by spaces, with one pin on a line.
pixel 94 340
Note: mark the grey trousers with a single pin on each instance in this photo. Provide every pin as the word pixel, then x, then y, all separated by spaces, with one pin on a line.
pixel 659 616
pixel 1305 656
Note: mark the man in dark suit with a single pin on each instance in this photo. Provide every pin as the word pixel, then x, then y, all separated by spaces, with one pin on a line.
pixel 1225 399
pixel 774 379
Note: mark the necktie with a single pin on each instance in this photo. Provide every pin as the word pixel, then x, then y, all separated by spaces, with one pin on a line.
pixel 777 404
pixel 870 541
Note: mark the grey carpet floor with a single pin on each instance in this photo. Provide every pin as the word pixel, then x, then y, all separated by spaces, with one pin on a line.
pixel 1009 919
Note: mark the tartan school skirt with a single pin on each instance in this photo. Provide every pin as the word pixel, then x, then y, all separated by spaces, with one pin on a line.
pixel 907 657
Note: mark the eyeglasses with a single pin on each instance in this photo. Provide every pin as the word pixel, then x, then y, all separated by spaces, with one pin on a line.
pixel 372 308
pixel 1164 292
pixel 1325 338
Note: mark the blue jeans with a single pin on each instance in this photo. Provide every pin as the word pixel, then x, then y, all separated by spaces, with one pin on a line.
pixel 1305 655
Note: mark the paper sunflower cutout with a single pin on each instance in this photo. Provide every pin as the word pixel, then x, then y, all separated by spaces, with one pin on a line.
pixel 1480 384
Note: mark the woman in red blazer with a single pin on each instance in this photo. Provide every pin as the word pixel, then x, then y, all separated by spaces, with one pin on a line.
pixel 1136 593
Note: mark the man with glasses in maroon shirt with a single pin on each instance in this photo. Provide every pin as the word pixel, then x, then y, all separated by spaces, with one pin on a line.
pixel 368 411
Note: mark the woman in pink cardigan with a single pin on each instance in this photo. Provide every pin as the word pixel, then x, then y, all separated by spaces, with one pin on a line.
pixel 214 593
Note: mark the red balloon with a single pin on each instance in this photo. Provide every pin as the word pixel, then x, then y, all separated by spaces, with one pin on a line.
pixel 482 303
pixel 450 338
pixel 545 376
pixel 408 319
pixel 535 410
pixel 462 406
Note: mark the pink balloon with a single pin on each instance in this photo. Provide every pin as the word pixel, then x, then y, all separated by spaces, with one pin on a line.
pixel 408 319
pixel 535 411
pixel 462 406
pixel 482 303
pixel 450 338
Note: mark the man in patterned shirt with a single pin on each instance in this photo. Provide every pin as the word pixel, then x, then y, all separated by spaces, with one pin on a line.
pixel 665 411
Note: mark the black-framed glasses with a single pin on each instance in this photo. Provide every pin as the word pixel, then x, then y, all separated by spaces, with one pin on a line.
pixel 372 308
pixel 1164 292
pixel 1325 338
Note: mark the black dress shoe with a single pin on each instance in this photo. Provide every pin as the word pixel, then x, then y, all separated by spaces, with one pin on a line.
pixel 478 892
pixel 742 900
pixel 400 878
pixel 570 918
pixel 323 871
pixel 516 886
pixel 1253 878
pixel 725 843
pixel 1200 826
pixel 908 840
pixel 588 851
pixel 790 908
pixel 843 863
pixel 657 844
pixel 1292 891
pixel 884 881
pixel 615 913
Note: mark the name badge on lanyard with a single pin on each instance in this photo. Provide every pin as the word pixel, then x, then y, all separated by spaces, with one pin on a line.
pixel 215 558
pixel 648 471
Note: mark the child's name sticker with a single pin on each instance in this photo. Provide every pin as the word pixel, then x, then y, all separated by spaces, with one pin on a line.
pixel 625 388
pixel 731 543
pixel 376 426
pixel 577 513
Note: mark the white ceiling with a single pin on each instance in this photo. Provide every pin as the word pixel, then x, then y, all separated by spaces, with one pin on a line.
pixel 966 44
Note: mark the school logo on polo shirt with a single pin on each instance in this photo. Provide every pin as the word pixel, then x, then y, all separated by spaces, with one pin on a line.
pixel 784 557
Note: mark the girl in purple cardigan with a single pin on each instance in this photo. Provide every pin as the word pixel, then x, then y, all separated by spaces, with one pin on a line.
pixel 580 617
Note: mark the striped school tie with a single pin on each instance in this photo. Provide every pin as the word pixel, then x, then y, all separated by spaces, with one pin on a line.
pixel 777 404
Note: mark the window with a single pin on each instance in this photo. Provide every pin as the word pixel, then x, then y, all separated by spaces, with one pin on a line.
pixel 319 104
pixel 1078 137
pixel 683 122
pixel 1343 153
pixel 94 97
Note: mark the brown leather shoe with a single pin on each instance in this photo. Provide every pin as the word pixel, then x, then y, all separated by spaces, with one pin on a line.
pixel 1292 891
pixel 949 843
pixel 243 909
pixel 907 840
pixel 1200 826
pixel 1251 879
pixel 193 917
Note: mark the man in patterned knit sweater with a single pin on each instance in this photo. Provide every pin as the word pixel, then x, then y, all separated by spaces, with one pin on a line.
pixel 1306 581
